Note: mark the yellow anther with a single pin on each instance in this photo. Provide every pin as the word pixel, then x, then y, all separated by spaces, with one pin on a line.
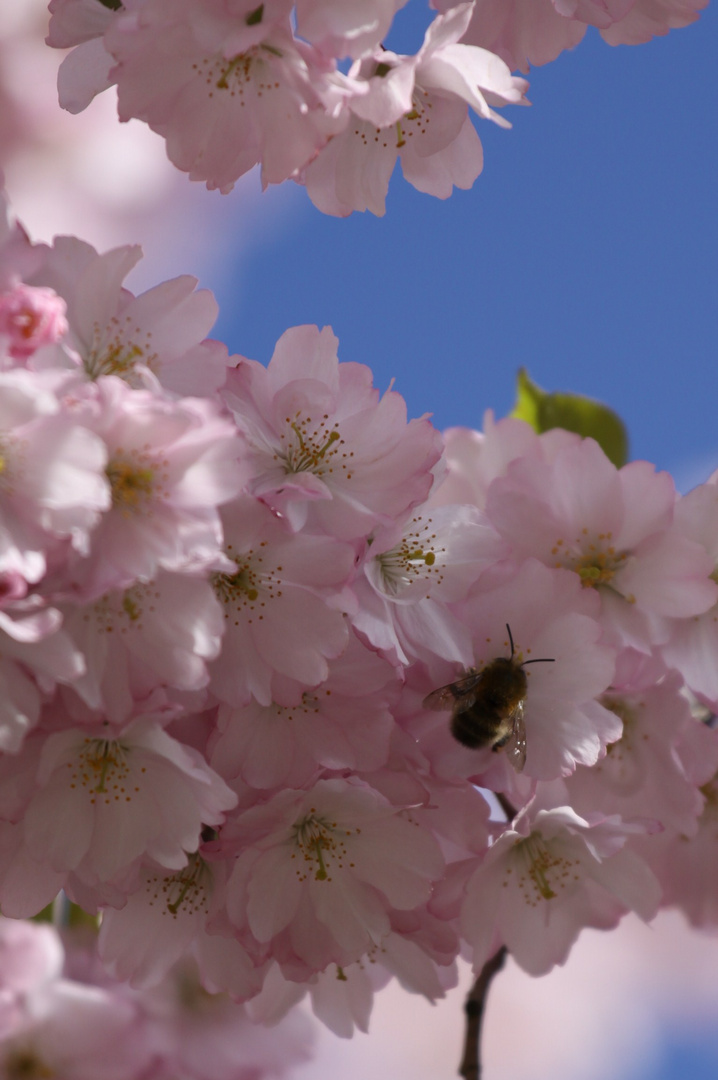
pixel 130 485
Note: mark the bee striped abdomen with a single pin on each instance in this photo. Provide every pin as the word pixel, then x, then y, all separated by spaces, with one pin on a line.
pixel 473 727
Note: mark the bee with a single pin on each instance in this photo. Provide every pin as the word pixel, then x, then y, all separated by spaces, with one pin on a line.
pixel 487 706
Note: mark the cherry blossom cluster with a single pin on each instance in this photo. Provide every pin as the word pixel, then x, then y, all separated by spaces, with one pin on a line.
pixel 230 84
pixel 533 32
pixel 63 1015
pixel 229 595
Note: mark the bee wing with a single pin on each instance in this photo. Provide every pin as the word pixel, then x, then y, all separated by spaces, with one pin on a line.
pixel 515 746
pixel 459 693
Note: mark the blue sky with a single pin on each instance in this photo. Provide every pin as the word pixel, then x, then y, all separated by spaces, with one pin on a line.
pixel 684 1059
pixel 586 251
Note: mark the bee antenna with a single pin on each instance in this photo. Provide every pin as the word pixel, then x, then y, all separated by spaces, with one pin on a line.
pixel 508 630
pixel 540 660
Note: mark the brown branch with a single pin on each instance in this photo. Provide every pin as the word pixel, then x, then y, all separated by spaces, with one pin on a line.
pixel 470 1067
pixel 508 808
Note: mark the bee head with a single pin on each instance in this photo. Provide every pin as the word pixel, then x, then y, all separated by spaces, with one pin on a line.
pixel 539 660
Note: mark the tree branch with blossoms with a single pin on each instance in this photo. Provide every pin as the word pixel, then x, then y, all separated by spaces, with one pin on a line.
pixel 268 644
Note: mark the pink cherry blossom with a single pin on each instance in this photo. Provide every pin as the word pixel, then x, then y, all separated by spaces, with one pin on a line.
pixel 414 108
pixel 549 875
pixel 78 1031
pixel 158 922
pixel 210 1037
pixel 282 602
pixel 169 466
pixel 151 635
pixel 166 918
pixel 227 87
pixel 475 458
pixel 345 723
pixel 686 865
pixel 75 21
pixel 648 18
pixel 341 997
pixel 103 802
pixel 692 646
pixel 32 956
pixel 522 32
pixel 35 654
pixel 30 318
pixel 346 27
pixel 527 32
pixel 321 871
pixel 18 257
pixel 159 336
pixel 420 957
pixel 26 885
pixel 413 572
pixel 612 527
pixel 327 451
pixel 84 72
pixel 52 482
pixel 641 774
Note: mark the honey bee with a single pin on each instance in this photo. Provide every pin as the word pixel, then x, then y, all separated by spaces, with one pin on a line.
pixel 487 706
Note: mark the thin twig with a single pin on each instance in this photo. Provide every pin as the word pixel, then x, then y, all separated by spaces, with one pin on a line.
pixel 508 808
pixel 470 1067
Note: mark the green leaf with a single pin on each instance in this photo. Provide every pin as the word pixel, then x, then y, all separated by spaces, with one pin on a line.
pixel 528 397
pixel 573 412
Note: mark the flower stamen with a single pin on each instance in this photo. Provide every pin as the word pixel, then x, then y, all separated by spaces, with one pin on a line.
pixel 319 841
pixel 131 484
pixel 542 872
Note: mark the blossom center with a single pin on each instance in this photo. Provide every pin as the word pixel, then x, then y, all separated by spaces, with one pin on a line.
pixel 25 322
pixel 11 453
pixel 185 892
pixel 621 709
pixel 314 447
pixel 132 482
pixel 115 350
pixel 26 1065
pixel 596 560
pixel 414 559
pixel 233 75
pixel 320 845
pixel 244 582
pixel 623 767
pixel 416 121
pixel 709 792
pixel 241 65
pixel 250 587
pixel 102 769
pixel 541 872
pixel 118 614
